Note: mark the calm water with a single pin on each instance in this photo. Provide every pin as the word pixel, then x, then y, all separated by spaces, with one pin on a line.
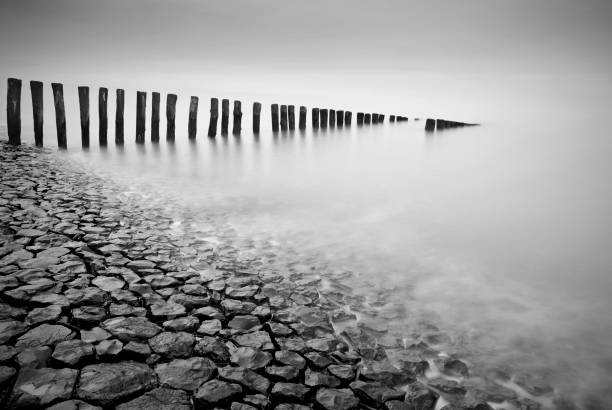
pixel 499 234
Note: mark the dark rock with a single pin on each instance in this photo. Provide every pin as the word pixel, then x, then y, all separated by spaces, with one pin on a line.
pixel 213 348
pixel 136 351
pixel 447 386
pixel 236 307
pixel 35 358
pixel 317 360
pixel 257 400
pixel 88 315
pixel 208 312
pixel 46 314
pixel 10 312
pixel 160 398
pixel 375 393
pixel 10 329
pixel 291 406
pixel 315 379
pixel 278 329
pixel 322 344
pixel 109 349
pixel 420 397
pixel 186 374
pixel 167 311
pixel 258 340
pixel 108 383
pixel 88 296
pixel 7 353
pixel 336 399
pixel 245 323
pixel 289 391
pixel 73 352
pixel 290 358
pixel 250 358
pixel 189 301
pixel 44 334
pixel 241 406
pixel 245 377
pixel 36 388
pixel 73 405
pixel 384 372
pixel 94 335
pixel 398 405
pixel 6 374
pixel 286 373
pixel 124 309
pixel 131 328
pixel 455 367
pixel 342 371
pixel 215 392
pixel 171 345
pixel 292 343
pixel 210 327
pixel 186 324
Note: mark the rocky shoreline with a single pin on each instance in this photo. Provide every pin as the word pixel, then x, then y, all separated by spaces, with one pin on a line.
pixel 100 307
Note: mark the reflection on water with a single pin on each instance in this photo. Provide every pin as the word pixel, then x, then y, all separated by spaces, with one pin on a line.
pixel 498 235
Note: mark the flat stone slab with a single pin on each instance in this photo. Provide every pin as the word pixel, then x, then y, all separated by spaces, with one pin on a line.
pixel 186 374
pixel 215 392
pixel 337 399
pixel 44 335
pixel 127 329
pixel 36 388
pixel 161 398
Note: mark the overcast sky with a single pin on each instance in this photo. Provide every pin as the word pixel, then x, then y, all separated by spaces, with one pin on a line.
pixel 422 54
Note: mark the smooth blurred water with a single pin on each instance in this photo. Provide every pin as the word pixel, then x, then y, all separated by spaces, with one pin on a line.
pixel 500 232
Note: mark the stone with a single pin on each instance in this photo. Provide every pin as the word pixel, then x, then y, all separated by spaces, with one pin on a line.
pixel 213 348
pixel 124 309
pixel 108 383
pixel 315 379
pixel 171 345
pixel 215 392
pixel 421 397
pixel 10 312
pixel 384 372
pixel 291 406
pixel 43 335
pixel 210 327
pixel 46 314
pixel 296 344
pixel 289 391
pixel 161 398
pixel 399 405
pixel 186 324
pixel 447 386
pixel 245 323
pixel 278 329
pixel 237 307
pixel 317 360
pixel 129 329
pixel 241 406
pixel 167 310
pixel 336 399
pixel 73 405
pixel 257 400
pixel 88 296
pixel 108 283
pixel 94 335
pixel 73 352
pixel 258 340
pixel 109 349
pixel 286 373
pixel 6 374
pixel 7 353
pixel 40 262
pixel 322 344
pixel 53 252
pixel 88 315
pixel 29 233
pixel 37 388
pixel 342 371
pixel 208 312
pixel 137 351
pixel 186 374
pixel 375 393
pixel 245 377
pixel 35 358
pixel 11 328
pixel 139 265
pixel 250 358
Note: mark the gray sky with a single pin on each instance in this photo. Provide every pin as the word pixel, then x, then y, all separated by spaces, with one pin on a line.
pixel 447 55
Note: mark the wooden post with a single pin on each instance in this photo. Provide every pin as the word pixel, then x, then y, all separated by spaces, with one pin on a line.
pixel 340 118
pixel 440 124
pixel 102 116
pixel 214 117
pixel 302 123
pixel 170 116
pixel 323 112
pixel 430 124
pixel 360 118
pixel 315 118
pixel 348 117
pixel 224 116
pixel 367 118
pixel 192 127
pixel 155 100
pixel 332 118
pixel 256 117
pixel 374 118
pixel 274 110
pixel 119 117
pixel 291 113
pixel 392 118
pixel 60 114
pixel 84 107
pixel 141 106
pixel 381 118
pixel 13 110
pixel 36 87
pixel 283 117
pixel 237 126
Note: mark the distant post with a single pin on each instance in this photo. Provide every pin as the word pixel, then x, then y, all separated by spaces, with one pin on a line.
pixel 440 124
pixel 315 118
pixel 84 107
pixel 302 123
pixel 13 110
pixel 340 118
pixel 367 118
pixel 224 116
pixel 36 87
pixel 291 113
pixel 237 126
pixel 102 116
pixel 348 117
pixel 60 114
pixel 323 114
pixel 392 118
pixel 332 118
pixel 170 116
pixel 192 127
pixel 381 118
pixel 155 100
pixel 274 109
pixel 119 117
pixel 283 117
pixel 141 106
pixel 374 118
pixel 430 124
pixel 256 117
pixel 360 117
pixel 214 117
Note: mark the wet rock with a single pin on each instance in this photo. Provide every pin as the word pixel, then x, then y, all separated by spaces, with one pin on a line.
pixel 215 392
pixel 210 327
pixel 278 329
pixel 413 363
pixel 73 352
pixel 375 393
pixel 317 360
pixel 324 345
pixel 336 399
pixel 34 358
pixel 167 311
pixel 289 391
pixel 342 371
pixel 109 349
pixel 250 358
pixel 11 328
pixel 137 351
pixel 286 373
pixel 454 367
pixel 185 324
pixel 16 257
pixel 88 315
pixel 94 335
pixel 129 329
pixel 315 379
pixel 245 323
pixel 108 283
pixel 420 397
pixel 171 345
pixel 246 378
pixel 36 388
pixel 447 386
pixel 43 335
pixel 46 314
pixel 384 372
pixel 258 340
pixel 188 374
pixel 73 405
pixel 534 385
pixel 364 343
pixel 290 358
pixel 108 383
pixel 160 398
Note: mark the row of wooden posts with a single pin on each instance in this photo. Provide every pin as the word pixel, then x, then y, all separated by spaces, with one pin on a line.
pixel 439 124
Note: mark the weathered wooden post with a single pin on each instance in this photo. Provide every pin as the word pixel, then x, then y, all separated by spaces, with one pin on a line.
pixel 440 124
pixel 367 118
pixel 60 113
pixel 237 126
pixel 348 117
pixel 102 116
pixel 291 113
pixel 392 118
pixel 332 118
pixel 381 118
pixel 141 106
pixel 13 110
pixel 256 117
pixel 315 118
pixel 214 117
pixel 340 118
pixel 374 118
pixel 192 126
pixel 360 118
pixel 170 116
pixel 224 116
pixel 119 117
pixel 155 100
pixel 36 87
pixel 84 107
pixel 274 110
pixel 283 117
pixel 430 124
pixel 302 123
pixel 323 112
